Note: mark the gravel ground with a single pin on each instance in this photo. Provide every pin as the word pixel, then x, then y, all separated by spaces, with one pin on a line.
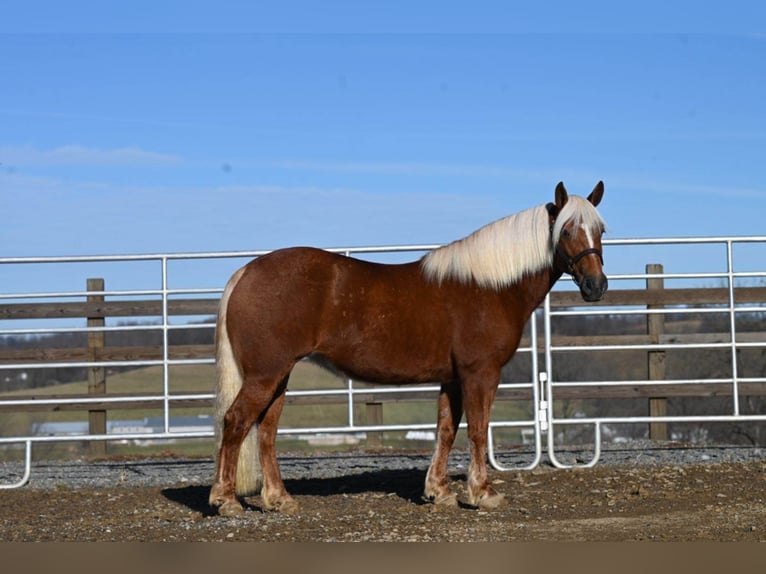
pixel 639 493
pixel 195 471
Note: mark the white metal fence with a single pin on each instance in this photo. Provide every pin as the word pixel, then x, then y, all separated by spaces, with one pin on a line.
pixel 727 263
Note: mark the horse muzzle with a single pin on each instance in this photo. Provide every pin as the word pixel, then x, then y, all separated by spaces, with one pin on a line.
pixel 593 287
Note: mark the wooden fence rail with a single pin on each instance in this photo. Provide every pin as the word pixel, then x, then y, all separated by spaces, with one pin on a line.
pixel 201 307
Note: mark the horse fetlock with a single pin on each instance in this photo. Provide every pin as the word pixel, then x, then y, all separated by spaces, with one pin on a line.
pixel 218 495
pixel 225 501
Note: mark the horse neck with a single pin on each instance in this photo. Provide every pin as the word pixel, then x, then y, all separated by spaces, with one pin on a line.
pixel 533 290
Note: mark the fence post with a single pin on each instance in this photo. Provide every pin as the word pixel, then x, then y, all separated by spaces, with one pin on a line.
pixel 374 412
pixel 96 375
pixel 655 327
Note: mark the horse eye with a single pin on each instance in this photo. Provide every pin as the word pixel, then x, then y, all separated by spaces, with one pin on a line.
pixel 565 232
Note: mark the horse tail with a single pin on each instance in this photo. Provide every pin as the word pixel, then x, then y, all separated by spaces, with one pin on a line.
pixel 229 382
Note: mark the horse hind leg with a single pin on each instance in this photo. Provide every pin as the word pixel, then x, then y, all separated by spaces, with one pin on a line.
pixel 237 422
pixel 249 406
pixel 274 495
pixel 450 411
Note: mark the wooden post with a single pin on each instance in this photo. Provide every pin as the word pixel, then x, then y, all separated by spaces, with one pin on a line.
pixel 374 412
pixel 655 327
pixel 96 375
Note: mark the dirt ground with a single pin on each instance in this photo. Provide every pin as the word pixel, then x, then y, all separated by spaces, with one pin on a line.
pixel 721 502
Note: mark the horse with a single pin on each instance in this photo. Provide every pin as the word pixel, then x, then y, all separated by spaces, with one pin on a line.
pixel 453 317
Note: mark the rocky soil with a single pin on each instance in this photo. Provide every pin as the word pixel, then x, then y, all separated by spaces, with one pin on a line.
pixel 650 494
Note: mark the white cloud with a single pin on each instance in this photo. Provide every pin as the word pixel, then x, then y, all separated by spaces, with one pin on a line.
pixel 80 155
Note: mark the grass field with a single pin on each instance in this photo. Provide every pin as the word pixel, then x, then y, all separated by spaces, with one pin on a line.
pixel 201 379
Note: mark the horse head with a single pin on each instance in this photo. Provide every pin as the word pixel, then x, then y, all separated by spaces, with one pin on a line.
pixel 576 230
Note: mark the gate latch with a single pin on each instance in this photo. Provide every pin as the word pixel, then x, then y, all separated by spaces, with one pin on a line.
pixel 542 408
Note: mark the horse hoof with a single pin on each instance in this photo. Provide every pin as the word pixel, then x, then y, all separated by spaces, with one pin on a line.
pixel 448 500
pixel 491 501
pixel 283 506
pixel 288 506
pixel 231 508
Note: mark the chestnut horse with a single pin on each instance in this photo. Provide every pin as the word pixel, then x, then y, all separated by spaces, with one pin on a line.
pixel 456 316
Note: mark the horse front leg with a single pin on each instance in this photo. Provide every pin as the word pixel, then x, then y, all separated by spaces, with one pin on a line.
pixel 478 395
pixel 448 419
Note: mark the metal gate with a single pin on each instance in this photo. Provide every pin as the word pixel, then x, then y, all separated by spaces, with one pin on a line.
pixel 734 266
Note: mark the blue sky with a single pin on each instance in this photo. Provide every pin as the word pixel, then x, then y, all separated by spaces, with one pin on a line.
pixel 241 128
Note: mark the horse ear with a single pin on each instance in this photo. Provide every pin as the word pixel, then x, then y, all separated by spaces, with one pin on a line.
pixel 561 196
pixel 553 212
pixel 597 193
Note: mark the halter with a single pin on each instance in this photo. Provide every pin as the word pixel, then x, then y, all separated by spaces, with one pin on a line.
pixel 570 262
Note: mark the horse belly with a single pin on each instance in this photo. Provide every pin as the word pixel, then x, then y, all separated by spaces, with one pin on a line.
pixel 388 352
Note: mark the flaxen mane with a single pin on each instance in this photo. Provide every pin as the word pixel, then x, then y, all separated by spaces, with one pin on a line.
pixel 501 253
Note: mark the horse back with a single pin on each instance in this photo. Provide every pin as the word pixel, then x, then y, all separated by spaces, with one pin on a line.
pixel 376 322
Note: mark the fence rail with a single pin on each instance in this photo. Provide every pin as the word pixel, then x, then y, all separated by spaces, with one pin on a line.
pixel 92 313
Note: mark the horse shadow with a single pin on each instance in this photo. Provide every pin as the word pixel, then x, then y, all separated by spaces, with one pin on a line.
pixel 406 484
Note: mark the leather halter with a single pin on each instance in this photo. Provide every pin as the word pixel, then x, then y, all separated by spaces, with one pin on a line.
pixel 570 262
